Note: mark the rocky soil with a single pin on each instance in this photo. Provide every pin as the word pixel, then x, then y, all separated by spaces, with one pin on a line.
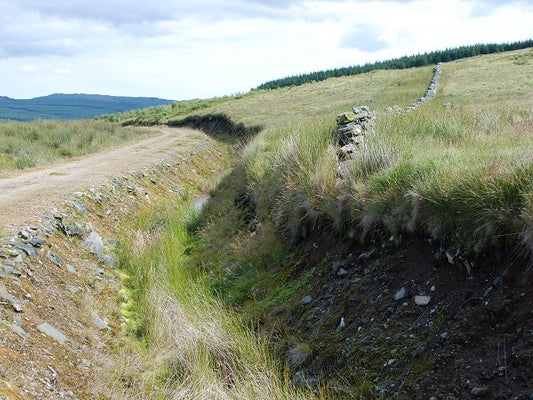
pixel 409 318
pixel 60 291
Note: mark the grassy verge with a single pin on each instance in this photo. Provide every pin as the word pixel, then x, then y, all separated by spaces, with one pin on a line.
pixel 195 347
pixel 28 144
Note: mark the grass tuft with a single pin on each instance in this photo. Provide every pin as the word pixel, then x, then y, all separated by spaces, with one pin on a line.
pixel 196 347
pixel 29 144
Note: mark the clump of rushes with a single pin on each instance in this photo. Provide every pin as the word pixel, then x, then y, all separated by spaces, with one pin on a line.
pixel 293 177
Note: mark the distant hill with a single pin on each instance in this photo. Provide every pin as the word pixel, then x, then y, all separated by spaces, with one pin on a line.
pixel 71 106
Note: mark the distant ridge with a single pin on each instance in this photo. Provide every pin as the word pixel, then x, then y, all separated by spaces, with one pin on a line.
pixel 71 106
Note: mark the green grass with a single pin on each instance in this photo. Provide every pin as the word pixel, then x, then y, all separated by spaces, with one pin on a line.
pixel 461 172
pixel 28 144
pixel 285 106
pixel 196 347
pixel 458 169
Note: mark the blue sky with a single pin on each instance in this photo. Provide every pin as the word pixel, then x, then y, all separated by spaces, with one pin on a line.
pixel 180 49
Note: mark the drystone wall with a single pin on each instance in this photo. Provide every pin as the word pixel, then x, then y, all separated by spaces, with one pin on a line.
pixel 352 128
pixel 355 125
pixel 430 94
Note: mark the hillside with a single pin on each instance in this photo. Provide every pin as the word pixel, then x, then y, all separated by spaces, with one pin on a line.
pixel 328 259
pixel 71 106
pixel 293 254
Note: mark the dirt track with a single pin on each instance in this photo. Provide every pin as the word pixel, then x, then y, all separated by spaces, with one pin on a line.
pixel 24 195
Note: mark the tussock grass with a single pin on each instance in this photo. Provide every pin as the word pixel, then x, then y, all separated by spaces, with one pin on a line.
pixel 460 172
pixel 28 144
pixel 464 176
pixel 196 347
pixel 295 181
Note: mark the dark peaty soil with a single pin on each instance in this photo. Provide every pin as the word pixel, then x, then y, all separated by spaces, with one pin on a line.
pixel 473 340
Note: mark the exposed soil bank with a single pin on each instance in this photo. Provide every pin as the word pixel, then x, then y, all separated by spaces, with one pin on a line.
pixel 473 339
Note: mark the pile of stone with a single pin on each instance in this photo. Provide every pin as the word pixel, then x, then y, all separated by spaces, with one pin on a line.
pixel 352 128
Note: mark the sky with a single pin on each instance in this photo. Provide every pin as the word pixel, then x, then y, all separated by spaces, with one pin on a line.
pixel 181 49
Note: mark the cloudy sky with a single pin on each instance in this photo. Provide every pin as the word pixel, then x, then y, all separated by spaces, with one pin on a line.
pixel 182 49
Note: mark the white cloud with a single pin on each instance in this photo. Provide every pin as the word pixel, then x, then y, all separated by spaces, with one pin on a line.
pixel 28 68
pixel 183 49
pixel 62 71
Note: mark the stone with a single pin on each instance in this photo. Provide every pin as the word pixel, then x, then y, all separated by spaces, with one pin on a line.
pixel 306 300
pixel 366 255
pixel 342 272
pixel 347 117
pixel 18 330
pixel 54 258
pixel 26 248
pixel 46 231
pixel 479 391
pixel 347 152
pixel 71 269
pixel 74 230
pixel 8 270
pixel 79 206
pixel 450 257
pixel 24 234
pixel 52 332
pixel 498 281
pixel 422 300
pixel 94 243
pixel 37 241
pixel 341 325
pixel 420 349
pixel 400 294
pixel 100 323
pixel 11 300
pixel 108 260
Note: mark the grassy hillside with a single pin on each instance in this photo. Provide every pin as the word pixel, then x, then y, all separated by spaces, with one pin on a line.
pixel 71 106
pixel 217 297
pixel 420 166
pixel 454 175
pixel 275 108
pixel 417 60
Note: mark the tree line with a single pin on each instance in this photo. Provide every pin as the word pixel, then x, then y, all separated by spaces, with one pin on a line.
pixel 404 62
